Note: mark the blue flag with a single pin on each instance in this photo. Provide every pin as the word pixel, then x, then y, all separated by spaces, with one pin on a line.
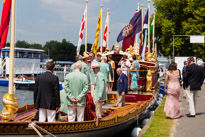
pixel 132 28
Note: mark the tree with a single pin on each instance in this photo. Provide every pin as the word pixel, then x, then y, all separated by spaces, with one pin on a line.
pixel 22 44
pixel 82 48
pixel 179 17
pixel 7 44
pixel 35 46
pixel 60 51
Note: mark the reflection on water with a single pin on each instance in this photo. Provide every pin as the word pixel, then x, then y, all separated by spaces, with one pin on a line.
pixel 26 96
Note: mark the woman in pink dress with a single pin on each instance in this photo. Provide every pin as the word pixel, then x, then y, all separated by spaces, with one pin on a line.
pixel 172 107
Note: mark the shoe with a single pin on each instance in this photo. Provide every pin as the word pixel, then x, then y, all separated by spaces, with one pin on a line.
pixel 188 115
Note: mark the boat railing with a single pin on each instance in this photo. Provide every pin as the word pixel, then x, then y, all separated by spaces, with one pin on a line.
pixel 141 79
pixel 146 79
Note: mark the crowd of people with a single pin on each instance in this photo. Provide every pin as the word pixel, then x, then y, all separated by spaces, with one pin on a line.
pixel 193 77
pixel 88 74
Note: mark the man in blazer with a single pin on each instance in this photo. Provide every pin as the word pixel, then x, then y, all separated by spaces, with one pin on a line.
pixel 46 94
pixel 122 85
pixel 100 93
pixel 193 78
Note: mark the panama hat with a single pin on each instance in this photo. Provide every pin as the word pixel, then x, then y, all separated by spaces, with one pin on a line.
pixel 95 65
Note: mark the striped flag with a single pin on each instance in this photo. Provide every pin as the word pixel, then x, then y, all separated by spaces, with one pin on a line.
pixel 145 26
pixel 82 26
pixel 5 18
pixel 95 45
pixel 151 29
pixel 105 36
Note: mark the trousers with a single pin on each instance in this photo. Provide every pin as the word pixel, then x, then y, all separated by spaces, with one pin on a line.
pixel 192 96
pixel 74 111
pixel 121 101
pixel 98 109
pixel 46 113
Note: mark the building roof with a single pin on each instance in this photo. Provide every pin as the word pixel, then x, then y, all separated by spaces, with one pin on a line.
pixel 23 49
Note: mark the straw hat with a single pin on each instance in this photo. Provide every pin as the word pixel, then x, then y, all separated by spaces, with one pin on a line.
pixel 95 65
pixel 85 57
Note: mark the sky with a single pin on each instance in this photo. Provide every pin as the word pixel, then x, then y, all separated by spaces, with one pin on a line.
pixel 39 21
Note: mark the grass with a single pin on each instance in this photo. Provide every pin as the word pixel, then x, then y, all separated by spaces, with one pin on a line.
pixel 160 125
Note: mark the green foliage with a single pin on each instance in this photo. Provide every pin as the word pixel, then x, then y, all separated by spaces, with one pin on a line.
pixel 160 125
pixel 179 17
pixel 22 44
pixel 82 48
pixel 58 51
pixel 35 46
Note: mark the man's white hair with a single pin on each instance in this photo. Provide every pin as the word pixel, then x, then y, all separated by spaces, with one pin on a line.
pixel 77 65
pixel 104 58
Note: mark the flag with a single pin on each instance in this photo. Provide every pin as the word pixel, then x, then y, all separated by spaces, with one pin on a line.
pixel 105 36
pixel 95 46
pixel 5 18
pixel 82 26
pixel 133 27
pixel 151 29
pixel 128 41
pixel 145 26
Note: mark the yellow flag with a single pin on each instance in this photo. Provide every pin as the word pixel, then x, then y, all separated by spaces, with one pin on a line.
pixel 95 46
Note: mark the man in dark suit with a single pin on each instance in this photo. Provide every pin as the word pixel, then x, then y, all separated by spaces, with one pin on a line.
pixel 47 95
pixel 122 85
pixel 193 79
pixel 183 73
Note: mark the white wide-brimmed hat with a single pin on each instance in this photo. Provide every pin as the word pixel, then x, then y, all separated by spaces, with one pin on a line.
pixel 95 65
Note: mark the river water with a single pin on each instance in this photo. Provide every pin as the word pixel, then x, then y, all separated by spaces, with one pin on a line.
pixel 25 96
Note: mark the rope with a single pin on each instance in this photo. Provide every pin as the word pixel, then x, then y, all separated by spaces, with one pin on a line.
pixel 39 134
pixel 43 130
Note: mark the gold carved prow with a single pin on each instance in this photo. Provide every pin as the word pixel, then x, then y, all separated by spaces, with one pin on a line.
pixel 10 107
pixel 116 48
pixel 130 50
pixel 149 80
pixel 152 57
pixel 107 50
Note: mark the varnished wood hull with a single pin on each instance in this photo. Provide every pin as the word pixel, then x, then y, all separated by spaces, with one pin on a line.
pixel 102 128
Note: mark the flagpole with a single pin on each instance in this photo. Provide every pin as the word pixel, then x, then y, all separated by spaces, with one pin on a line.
pixel 11 55
pixel 86 25
pixel 9 101
pixel 101 38
pixel 144 44
pixel 108 24
pixel 137 35
pixel 142 27
pixel 149 26
pixel 153 32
